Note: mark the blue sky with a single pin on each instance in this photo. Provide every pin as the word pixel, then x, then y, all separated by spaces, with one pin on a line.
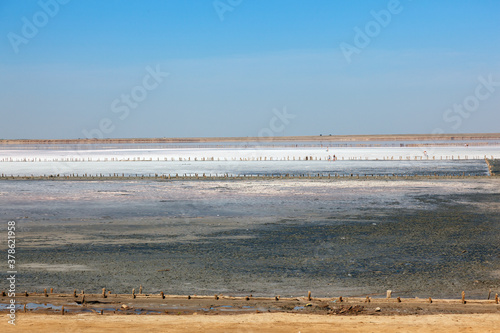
pixel 234 65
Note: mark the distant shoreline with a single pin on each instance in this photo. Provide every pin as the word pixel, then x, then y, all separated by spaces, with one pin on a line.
pixel 313 138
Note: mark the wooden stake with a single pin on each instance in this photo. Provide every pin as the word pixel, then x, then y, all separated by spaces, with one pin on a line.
pixel 340 299
pixel 133 293
pixel 62 310
pixel 496 298
pixel 430 300
pixel 399 299
pixel 24 308
pixel 162 295
pixel 389 294
pixel 45 292
pixel 104 293
pixel 463 297
pixel 51 290
pixel 308 295
pixel 140 290
pixel 489 294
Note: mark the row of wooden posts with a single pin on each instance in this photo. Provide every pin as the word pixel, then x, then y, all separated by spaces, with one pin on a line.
pixel 105 294
pixel 260 158
pixel 232 176
pixel 493 170
pixel 340 299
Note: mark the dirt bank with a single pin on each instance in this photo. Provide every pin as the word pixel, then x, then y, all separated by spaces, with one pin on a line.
pixel 265 322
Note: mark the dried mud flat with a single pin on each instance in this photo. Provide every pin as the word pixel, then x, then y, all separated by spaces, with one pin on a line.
pixel 356 238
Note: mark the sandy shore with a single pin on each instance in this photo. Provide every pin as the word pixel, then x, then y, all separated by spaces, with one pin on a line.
pixel 265 322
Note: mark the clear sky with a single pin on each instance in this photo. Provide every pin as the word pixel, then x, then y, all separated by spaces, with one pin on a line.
pixel 192 68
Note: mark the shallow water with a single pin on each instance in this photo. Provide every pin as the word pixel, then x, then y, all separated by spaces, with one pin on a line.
pixel 32 306
pixel 246 161
pixel 253 168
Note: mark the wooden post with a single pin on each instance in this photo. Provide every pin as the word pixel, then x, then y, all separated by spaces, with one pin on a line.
pixel 24 308
pixel 340 299
pixel 162 295
pixel 74 293
pixel 140 289
pixel 45 292
pixel 51 290
pixel 62 310
pixel 463 297
pixel 389 294
pixel 430 300
pixel 102 312
pixel 496 298
pixel 133 293
pixel 104 293
pixel 309 295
